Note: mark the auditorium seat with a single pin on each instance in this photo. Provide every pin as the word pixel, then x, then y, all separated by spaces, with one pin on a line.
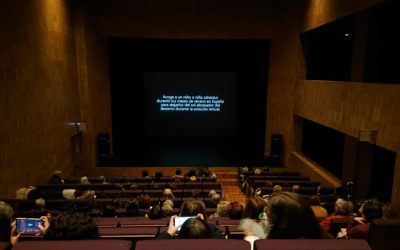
pixel 132 233
pixel 385 234
pixel 73 244
pixel 4 245
pixel 337 224
pixel 226 221
pixel 303 244
pixel 192 244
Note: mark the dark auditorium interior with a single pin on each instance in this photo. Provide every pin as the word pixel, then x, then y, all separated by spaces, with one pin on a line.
pixel 114 87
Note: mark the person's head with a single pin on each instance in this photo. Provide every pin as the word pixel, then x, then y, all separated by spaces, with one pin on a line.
pixel 213 177
pixel 102 178
pixel 178 171
pixel 193 178
pixel 155 212
pixel 315 200
pixel 254 207
pixel 277 188
pixel 69 193
pixel 167 207
pixel 158 176
pixel 195 228
pixel 6 210
pixel 248 226
pixel 258 192
pixel 216 198
pixel 192 207
pixel 211 192
pixel 167 192
pixel 72 225
pixel 371 210
pixel 40 203
pixel 269 183
pixel 223 208
pixel 343 207
pixel 291 217
pixel 57 173
pixel 296 188
pixel 109 211
pixel 257 171
pixel 132 207
pixel 84 180
pixel 235 210
pixel 145 173
pixel 5 228
pixel 144 200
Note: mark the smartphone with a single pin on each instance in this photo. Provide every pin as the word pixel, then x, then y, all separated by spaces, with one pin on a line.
pixel 178 221
pixel 28 225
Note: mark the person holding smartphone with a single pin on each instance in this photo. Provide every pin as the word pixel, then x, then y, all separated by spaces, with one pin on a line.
pixel 184 225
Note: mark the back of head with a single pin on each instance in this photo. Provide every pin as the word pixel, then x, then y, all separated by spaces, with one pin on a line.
pixel 144 200
pixel 343 207
pixel 291 217
pixel 315 200
pixel 296 188
pixel 277 188
pixel 72 225
pixel 254 207
pixel 192 207
pixel 155 212
pixel 132 208
pixel 371 210
pixel 235 210
pixel 195 229
pixel 223 208
pixel 178 171
pixel 84 180
pixel 6 210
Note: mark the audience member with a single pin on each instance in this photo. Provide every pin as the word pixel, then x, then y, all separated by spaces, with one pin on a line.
pixel 192 172
pixel 222 209
pixel 252 231
pixel 70 225
pixel 291 217
pixel 167 207
pixel 296 189
pixel 132 208
pixel 22 193
pixel 56 178
pixel 235 210
pixel 193 178
pixel 192 207
pixel 257 171
pixel 84 180
pixel 6 210
pixel 371 209
pixel 211 192
pixel 319 212
pixel 178 175
pixel 109 211
pixel 277 188
pixel 343 209
pixel 167 193
pixel 145 174
pixel 144 200
pixel 216 198
pixel 254 207
pixel 155 212
pixel 158 176
pixel 7 232
pixel 194 228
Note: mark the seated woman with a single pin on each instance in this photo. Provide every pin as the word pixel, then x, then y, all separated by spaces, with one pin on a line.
pixel 194 228
pixel 70 225
pixel 290 217
pixel 190 207
pixel 371 210
pixel 343 209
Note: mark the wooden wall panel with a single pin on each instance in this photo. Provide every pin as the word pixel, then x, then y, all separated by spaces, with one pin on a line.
pixel 38 92
pixel 350 107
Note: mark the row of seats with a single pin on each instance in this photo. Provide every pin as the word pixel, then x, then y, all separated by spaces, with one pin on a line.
pixel 196 244
pixel 148 179
pixel 383 236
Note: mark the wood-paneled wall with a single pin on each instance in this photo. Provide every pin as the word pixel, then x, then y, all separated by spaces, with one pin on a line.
pixel 38 92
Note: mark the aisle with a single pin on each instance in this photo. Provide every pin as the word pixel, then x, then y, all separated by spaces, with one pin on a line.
pixel 227 177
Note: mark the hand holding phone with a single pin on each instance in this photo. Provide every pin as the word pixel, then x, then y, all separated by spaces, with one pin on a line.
pixel 28 225
pixel 179 220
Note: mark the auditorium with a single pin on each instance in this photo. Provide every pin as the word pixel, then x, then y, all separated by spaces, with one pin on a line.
pixel 109 102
